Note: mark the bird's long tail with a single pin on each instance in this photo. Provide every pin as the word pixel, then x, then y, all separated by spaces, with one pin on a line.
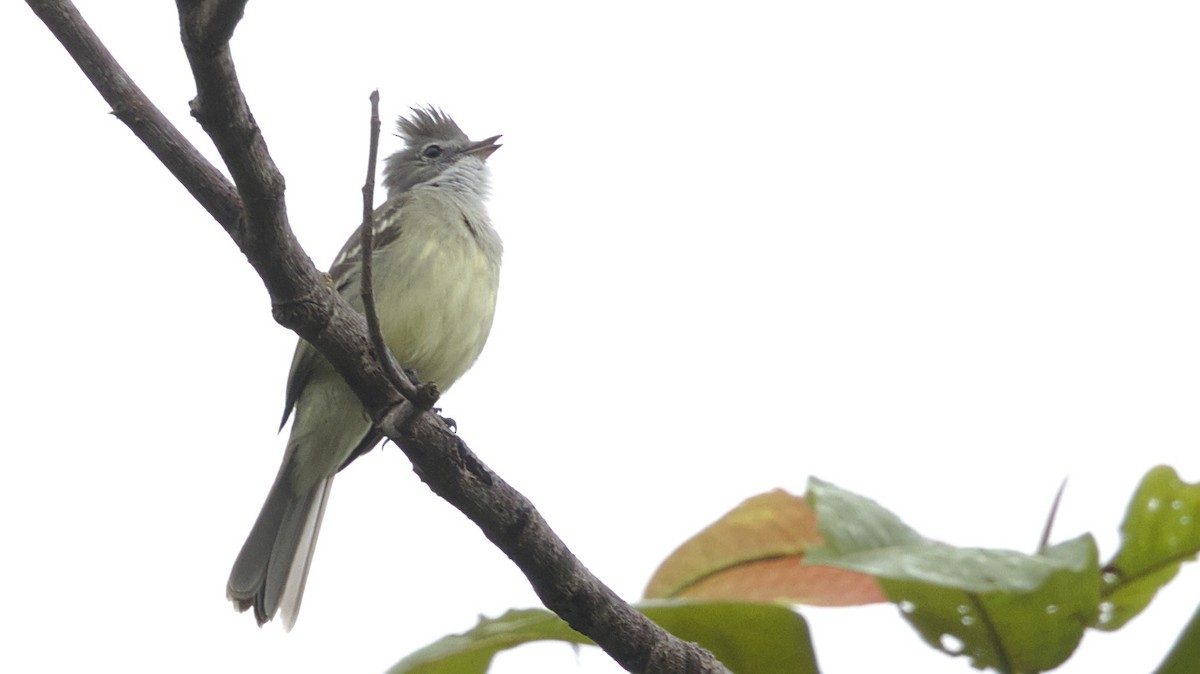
pixel 271 569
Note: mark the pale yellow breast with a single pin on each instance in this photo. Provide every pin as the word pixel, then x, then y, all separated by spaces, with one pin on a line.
pixel 436 291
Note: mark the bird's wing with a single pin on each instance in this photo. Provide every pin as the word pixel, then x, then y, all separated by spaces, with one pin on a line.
pixel 346 273
pixel 348 264
pixel 303 362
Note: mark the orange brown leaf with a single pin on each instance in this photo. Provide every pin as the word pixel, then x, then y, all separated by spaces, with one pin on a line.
pixel 755 553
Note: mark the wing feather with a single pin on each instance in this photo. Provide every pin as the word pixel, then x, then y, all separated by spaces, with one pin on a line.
pixel 345 272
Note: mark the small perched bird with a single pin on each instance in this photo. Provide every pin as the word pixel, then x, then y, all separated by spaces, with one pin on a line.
pixel 436 270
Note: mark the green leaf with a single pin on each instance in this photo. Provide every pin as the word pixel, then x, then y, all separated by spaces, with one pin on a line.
pixel 1009 630
pixel 1005 610
pixel 1160 532
pixel 471 652
pixel 747 638
pixel 1184 657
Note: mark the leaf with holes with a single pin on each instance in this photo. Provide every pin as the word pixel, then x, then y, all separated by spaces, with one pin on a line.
pixel 1005 610
pixel 754 553
pixel 1159 533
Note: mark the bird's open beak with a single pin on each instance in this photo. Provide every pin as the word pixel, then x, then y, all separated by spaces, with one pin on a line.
pixel 483 148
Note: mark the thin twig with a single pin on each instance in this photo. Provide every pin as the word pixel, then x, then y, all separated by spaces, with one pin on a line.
pixel 1045 542
pixel 367 244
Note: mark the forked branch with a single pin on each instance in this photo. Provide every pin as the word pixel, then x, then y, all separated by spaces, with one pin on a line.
pixel 253 212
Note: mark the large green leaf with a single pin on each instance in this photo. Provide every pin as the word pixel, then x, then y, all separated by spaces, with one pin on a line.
pixel 1160 531
pixel 1005 610
pixel 747 638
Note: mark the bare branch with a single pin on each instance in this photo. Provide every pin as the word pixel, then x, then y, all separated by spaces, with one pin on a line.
pixel 561 581
pixel 224 114
pixel 256 218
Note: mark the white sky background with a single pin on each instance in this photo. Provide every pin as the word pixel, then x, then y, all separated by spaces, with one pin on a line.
pixel 940 253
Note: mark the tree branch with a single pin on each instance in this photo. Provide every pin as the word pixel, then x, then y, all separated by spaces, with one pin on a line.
pixel 256 218
pixel 214 20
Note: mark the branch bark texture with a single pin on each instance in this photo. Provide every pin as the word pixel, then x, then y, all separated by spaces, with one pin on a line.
pixel 253 212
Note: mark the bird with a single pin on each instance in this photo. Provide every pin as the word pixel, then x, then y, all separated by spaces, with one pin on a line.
pixel 436 271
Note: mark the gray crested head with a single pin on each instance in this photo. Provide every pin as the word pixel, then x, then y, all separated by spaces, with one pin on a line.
pixel 437 152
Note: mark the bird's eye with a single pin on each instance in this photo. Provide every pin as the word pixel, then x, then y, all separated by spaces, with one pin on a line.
pixel 432 151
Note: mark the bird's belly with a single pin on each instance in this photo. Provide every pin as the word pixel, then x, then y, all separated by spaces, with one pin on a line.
pixel 437 319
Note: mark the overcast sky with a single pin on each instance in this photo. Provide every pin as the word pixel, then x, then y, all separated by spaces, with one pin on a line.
pixel 943 254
